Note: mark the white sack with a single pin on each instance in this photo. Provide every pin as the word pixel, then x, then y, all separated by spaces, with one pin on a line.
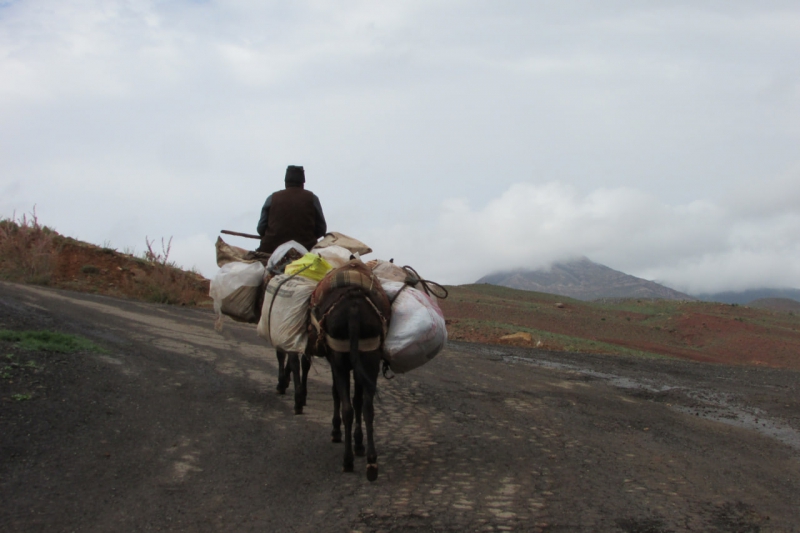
pixel 284 324
pixel 417 330
pixel 235 288
pixel 337 256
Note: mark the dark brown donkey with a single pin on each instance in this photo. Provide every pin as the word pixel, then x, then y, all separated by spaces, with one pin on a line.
pixel 351 312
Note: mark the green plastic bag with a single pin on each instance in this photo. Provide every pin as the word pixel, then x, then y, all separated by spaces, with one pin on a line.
pixel 310 266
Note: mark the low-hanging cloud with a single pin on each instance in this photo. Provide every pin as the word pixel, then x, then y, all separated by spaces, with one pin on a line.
pixel 697 247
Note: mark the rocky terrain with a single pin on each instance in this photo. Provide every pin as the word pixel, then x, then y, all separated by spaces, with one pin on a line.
pixel 163 424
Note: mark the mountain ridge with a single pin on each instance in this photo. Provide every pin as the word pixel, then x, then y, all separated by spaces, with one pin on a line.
pixel 585 280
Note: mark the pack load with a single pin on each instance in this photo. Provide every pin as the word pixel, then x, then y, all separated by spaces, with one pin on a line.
pixel 283 293
pixel 354 274
pixel 238 287
pixel 417 332
pixel 235 290
pixel 284 314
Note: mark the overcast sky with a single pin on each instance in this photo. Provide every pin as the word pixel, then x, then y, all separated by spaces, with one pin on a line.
pixel 659 138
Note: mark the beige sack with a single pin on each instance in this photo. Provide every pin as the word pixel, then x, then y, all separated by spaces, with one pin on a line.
pixel 337 256
pixel 240 305
pixel 233 254
pixel 340 239
pixel 387 271
pixel 285 312
pixel 235 291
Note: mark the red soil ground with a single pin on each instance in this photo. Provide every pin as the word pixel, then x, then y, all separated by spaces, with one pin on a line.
pixel 87 268
pixel 699 331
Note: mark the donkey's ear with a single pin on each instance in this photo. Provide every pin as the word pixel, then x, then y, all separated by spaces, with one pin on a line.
pixel 352 257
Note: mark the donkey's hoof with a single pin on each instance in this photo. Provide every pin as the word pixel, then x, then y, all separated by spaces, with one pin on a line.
pixel 298 409
pixel 372 472
pixel 336 438
pixel 359 451
pixel 347 468
pixel 280 390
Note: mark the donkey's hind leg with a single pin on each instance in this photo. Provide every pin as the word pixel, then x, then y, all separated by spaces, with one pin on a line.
pixel 293 366
pixel 336 433
pixel 341 377
pixel 358 435
pixel 283 374
pixel 305 363
pixel 371 369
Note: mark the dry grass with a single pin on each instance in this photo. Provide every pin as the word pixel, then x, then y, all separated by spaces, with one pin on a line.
pixel 166 284
pixel 32 253
pixel 158 258
pixel 28 250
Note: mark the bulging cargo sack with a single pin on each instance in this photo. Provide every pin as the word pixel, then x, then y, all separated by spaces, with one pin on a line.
pixel 354 275
pixel 284 315
pixel 340 239
pixel 417 330
pixel 235 291
pixel 309 266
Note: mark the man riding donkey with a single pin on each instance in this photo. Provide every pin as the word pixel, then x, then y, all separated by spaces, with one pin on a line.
pixel 293 214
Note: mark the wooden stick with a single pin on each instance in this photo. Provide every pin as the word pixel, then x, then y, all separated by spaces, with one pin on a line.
pixel 248 235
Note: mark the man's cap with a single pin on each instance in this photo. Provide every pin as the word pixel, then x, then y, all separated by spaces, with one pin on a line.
pixel 295 174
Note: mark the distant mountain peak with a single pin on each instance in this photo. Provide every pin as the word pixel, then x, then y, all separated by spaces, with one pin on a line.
pixel 582 279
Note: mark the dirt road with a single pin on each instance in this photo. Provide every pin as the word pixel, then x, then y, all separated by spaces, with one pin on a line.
pixel 178 428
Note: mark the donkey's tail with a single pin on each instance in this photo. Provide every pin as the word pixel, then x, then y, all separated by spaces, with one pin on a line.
pixel 354 330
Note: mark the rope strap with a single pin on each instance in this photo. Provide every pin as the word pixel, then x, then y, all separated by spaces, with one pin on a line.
pixel 343 345
pixel 431 288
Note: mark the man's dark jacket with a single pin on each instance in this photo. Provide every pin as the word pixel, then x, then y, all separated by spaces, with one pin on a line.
pixel 293 214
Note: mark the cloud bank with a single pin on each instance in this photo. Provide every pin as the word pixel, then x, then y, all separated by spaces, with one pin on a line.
pixel 696 247
pixel 657 138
